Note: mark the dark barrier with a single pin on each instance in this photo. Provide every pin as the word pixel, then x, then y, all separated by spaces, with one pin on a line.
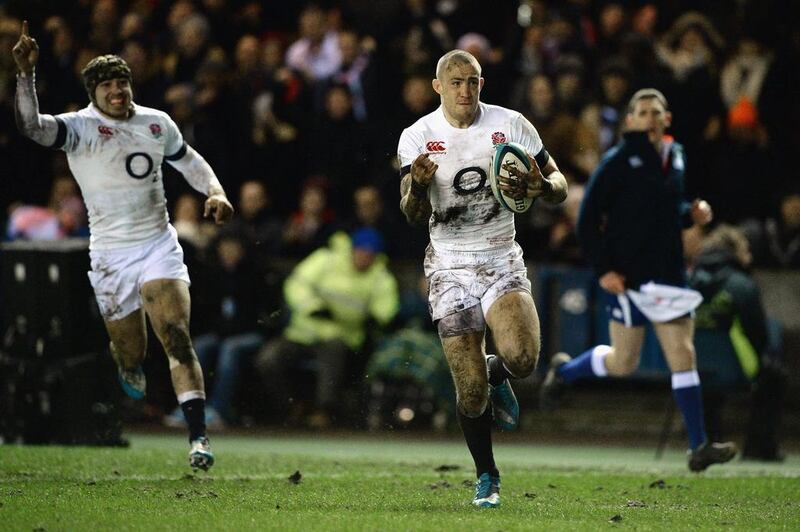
pixel 57 384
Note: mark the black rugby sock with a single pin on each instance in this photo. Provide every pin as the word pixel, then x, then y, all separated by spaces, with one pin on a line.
pixel 194 411
pixel 497 371
pixel 478 433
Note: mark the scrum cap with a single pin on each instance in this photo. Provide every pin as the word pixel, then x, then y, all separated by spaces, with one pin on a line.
pixel 103 68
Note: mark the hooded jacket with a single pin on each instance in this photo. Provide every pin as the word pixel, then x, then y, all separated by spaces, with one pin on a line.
pixel 329 299
pixel 731 318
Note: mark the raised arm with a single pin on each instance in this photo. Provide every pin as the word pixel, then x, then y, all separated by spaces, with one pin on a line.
pixel 42 129
pixel 414 200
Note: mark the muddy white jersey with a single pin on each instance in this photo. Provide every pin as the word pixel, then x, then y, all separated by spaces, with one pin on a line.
pixel 117 164
pixel 466 216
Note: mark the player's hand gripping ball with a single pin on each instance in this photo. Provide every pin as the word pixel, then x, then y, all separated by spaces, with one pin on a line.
pixel 510 155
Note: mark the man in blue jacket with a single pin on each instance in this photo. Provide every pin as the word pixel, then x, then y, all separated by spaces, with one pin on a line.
pixel 630 227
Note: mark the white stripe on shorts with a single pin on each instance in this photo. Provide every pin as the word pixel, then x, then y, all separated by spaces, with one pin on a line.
pixel 625 305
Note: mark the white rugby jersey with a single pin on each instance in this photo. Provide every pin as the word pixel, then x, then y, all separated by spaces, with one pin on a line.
pixel 117 164
pixel 466 216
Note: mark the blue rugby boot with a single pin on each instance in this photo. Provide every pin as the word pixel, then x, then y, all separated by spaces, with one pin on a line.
pixel 133 382
pixel 487 491
pixel 200 455
pixel 504 405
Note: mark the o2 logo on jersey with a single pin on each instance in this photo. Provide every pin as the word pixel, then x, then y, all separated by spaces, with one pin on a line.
pixel 139 165
pixel 155 130
pixel 105 131
pixel 435 146
pixel 469 180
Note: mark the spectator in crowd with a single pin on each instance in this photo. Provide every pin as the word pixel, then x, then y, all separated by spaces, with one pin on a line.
pixel 690 49
pixel 419 37
pixel 730 162
pixel 237 291
pixel 192 47
pixel 257 224
pixel 359 73
pixel 316 53
pixel 562 244
pixel 568 138
pixel 150 83
pixel 192 230
pixel 776 241
pixel 64 89
pixel 370 211
pixel 570 90
pixel 333 296
pixel 311 225
pixel 339 148
pixel 732 341
pixel 607 113
pixel 611 26
pixel 65 215
pixel 744 74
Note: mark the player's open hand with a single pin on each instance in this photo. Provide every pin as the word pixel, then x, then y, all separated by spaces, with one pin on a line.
pixel 219 207
pixel 423 169
pixel 701 212
pixel 613 282
pixel 26 51
pixel 531 184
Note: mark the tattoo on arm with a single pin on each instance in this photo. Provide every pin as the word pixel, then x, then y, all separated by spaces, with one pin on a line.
pixel 42 129
pixel 558 188
pixel 417 209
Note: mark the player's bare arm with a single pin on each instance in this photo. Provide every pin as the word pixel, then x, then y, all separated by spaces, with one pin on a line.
pixel 218 206
pixel 42 129
pixel 548 183
pixel 414 200
pixel 199 174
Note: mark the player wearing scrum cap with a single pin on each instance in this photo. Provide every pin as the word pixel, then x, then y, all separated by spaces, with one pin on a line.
pixel 115 149
pixel 474 267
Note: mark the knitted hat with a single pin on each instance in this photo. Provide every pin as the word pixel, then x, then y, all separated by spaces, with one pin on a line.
pixel 368 239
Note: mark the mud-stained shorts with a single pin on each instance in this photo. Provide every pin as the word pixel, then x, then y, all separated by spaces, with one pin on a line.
pixel 117 275
pixel 459 280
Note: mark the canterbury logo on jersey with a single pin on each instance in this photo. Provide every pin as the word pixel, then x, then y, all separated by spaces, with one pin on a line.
pixel 436 146
pixel 105 131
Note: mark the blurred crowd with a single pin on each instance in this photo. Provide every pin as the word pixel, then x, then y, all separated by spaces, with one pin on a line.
pixel 298 106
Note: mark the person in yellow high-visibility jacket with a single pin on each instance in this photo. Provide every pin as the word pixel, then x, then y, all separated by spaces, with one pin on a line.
pixel 332 296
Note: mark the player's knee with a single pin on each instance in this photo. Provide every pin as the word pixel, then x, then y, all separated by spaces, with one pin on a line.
pixel 521 360
pixel 624 366
pixel 472 399
pixel 523 367
pixel 178 343
pixel 129 354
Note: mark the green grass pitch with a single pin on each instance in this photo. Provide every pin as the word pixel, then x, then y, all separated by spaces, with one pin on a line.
pixel 360 482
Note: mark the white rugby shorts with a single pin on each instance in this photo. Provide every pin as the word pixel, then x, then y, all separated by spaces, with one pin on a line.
pixel 458 280
pixel 117 275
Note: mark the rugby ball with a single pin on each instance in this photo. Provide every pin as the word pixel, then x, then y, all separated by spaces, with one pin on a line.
pixel 514 155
